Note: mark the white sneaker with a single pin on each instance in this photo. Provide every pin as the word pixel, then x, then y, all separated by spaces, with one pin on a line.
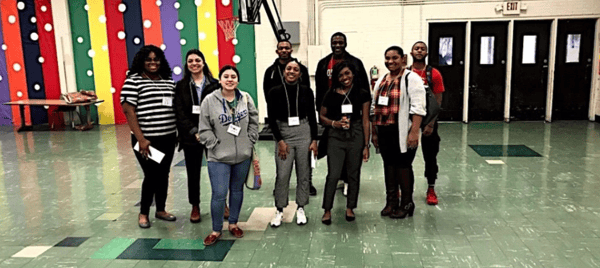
pixel 276 222
pixel 345 189
pixel 301 217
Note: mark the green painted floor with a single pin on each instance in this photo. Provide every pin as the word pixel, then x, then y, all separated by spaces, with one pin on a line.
pixel 67 199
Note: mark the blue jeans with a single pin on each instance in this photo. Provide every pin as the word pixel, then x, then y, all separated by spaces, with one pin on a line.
pixel 224 178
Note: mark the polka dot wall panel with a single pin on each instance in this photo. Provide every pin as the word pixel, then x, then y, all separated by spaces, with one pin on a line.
pixel 105 36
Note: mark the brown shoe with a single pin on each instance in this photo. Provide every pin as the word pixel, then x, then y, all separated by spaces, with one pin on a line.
pixel 165 216
pixel 195 216
pixel 211 239
pixel 237 232
pixel 226 214
pixel 387 210
pixel 144 221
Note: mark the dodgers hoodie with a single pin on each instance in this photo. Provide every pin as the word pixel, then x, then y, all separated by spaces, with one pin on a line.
pixel 215 118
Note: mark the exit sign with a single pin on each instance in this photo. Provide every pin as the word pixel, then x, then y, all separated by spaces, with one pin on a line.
pixel 512 8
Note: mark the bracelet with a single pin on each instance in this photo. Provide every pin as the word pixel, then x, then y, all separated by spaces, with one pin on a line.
pixel 332 123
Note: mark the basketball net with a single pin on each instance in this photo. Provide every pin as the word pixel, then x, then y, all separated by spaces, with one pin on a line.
pixel 229 27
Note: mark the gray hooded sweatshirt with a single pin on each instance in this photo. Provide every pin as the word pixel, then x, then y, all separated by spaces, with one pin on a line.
pixel 215 118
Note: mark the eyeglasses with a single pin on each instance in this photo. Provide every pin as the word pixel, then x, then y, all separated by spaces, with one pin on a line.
pixel 152 60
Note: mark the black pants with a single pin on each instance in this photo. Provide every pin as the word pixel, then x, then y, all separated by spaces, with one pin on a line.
pixel 397 166
pixel 430 149
pixel 344 152
pixel 193 165
pixel 156 176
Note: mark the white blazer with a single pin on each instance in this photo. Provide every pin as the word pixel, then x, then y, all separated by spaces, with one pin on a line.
pixel 412 101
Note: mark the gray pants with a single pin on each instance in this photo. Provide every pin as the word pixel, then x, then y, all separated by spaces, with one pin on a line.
pixel 344 149
pixel 298 139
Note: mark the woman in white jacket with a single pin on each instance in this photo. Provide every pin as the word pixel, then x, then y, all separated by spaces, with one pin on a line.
pixel 396 112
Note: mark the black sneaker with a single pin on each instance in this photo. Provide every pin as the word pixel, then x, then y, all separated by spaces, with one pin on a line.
pixel 313 190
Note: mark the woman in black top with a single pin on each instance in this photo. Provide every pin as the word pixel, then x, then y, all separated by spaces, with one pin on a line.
pixel 189 93
pixel 345 113
pixel 294 124
pixel 147 100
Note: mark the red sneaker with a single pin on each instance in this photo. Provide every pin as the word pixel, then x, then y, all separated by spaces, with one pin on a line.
pixel 431 197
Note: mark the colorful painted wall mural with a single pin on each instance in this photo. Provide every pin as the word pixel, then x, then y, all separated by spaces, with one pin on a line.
pixel 105 36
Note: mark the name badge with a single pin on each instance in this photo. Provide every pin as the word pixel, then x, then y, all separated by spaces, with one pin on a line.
pixel 347 108
pixel 234 130
pixel 196 109
pixel 167 102
pixel 383 101
pixel 293 121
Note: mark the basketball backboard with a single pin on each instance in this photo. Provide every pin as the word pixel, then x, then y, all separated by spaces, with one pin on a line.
pixel 250 11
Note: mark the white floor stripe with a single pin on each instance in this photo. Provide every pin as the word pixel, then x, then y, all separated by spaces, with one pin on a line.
pixel 31 252
pixel 109 216
pixel 261 218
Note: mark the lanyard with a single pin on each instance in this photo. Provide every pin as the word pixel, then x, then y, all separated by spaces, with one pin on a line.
pixel 154 84
pixel 231 109
pixel 193 85
pixel 346 96
pixel 287 98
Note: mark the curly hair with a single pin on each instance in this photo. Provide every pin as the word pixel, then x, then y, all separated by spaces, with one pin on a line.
pixel 186 72
pixel 137 67
pixel 335 74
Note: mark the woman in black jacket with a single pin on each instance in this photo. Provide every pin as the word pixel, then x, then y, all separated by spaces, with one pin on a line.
pixel 197 82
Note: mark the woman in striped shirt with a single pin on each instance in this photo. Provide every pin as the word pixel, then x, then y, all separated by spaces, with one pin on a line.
pixel 147 100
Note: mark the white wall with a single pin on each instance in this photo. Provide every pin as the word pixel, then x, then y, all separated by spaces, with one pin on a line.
pixel 372 26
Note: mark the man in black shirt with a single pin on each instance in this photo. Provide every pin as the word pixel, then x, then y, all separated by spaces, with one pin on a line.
pixel 274 74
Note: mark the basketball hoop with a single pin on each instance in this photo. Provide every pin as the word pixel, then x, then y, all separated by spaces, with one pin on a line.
pixel 229 27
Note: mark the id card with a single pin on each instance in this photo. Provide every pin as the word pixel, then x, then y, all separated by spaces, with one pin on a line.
pixel 167 101
pixel 293 121
pixel 383 101
pixel 195 109
pixel 234 130
pixel 347 108
pixel 155 155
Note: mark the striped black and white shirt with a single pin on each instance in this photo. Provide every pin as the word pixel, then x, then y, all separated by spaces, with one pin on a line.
pixel 154 117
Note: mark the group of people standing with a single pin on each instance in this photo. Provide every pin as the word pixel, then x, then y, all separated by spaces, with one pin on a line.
pixel 211 116
pixel 204 115
pixel 389 117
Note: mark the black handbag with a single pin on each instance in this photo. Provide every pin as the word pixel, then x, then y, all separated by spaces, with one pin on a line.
pixel 432 107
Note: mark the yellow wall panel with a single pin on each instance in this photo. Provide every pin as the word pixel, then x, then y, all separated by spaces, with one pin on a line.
pixel 98 35
pixel 207 34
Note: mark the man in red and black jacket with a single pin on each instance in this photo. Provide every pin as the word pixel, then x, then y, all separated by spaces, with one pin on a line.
pixel 325 67
pixel 430 141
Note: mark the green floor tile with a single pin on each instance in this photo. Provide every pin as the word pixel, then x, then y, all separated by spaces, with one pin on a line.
pixel 529 212
pixel 14 262
pixel 95 263
pixel 504 150
pixel 239 256
pixel 180 244
pixel 177 264
pixel 71 242
pixel 113 249
pixel 142 249
pixel 150 264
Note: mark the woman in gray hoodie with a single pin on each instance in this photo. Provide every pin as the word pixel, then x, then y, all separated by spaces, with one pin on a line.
pixel 228 128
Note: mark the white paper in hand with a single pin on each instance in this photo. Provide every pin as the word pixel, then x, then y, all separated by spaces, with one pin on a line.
pixel 313 160
pixel 156 155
